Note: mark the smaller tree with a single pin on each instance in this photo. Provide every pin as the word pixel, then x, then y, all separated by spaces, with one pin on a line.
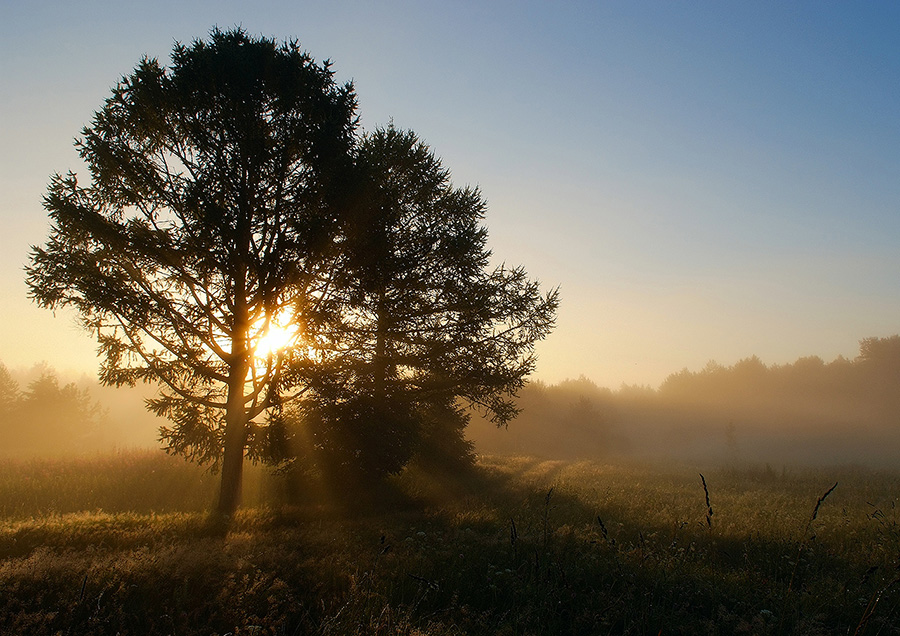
pixel 878 373
pixel 425 326
pixel 881 352
pixel 10 401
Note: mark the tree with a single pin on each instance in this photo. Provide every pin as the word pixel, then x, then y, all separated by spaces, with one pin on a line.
pixel 883 352
pixel 229 195
pixel 10 396
pixel 10 399
pixel 424 322
pixel 47 419
pixel 211 213
pixel 55 420
pixel 878 372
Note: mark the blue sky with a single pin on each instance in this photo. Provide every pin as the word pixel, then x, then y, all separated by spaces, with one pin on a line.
pixel 703 180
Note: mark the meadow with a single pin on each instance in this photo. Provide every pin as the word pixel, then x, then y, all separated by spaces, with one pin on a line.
pixel 120 544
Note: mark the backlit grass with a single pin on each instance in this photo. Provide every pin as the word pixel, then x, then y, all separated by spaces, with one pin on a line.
pixel 520 546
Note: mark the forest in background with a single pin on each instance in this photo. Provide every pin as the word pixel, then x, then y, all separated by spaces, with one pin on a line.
pixel 807 412
pixel 45 415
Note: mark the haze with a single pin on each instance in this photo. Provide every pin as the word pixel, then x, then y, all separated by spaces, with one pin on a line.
pixel 703 181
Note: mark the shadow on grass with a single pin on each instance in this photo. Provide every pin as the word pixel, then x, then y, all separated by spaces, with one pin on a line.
pixel 511 546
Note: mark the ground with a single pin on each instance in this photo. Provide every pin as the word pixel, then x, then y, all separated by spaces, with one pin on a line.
pixel 121 545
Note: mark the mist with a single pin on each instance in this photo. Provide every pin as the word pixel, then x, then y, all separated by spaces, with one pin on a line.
pixel 46 415
pixel 806 413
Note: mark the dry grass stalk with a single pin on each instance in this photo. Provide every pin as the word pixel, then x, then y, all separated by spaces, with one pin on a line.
pixel 709 510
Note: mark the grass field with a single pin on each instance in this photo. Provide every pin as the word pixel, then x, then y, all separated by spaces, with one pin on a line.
pixel 120 545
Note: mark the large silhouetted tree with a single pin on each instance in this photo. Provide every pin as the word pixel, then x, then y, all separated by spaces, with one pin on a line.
pixel 426 326
pixel 228 193
pixel 209 214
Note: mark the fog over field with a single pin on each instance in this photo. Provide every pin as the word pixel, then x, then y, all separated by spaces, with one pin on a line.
pixel 806 413
pixel 809 412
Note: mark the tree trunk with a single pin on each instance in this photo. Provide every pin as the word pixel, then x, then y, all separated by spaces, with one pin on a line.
pixel 235 411
pixel 381 360
pixel 235 438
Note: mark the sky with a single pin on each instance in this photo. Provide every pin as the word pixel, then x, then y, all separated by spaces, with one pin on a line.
pixel 702 180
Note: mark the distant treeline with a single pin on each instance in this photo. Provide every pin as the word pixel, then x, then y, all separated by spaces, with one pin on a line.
pixel 810 411
pixel 42 416
pixel 46 418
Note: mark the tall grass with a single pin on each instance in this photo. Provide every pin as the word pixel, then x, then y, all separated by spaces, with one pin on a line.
pixel 520 546
pixel 141 481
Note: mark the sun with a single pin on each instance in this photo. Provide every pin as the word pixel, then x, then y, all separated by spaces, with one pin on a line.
pixel 279 334
pixel 273 341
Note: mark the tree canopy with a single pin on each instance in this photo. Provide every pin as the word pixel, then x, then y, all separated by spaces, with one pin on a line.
pixel 422 320
pixel 229 196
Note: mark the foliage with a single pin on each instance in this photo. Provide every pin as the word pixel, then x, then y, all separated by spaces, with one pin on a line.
pixel 210 211
pixel 423 322
pixel 426 313
pixel 9 393
pixel 809 411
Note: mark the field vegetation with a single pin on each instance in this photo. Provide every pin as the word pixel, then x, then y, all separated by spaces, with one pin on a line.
pixel 120 544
